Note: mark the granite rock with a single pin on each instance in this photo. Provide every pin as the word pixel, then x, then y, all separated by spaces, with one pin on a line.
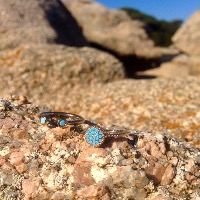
pixel 36 70
pixel 187 38
pixel 187 41
pixel 23 22
pixel 114 30
pixel 59 166
pixel 182 65
pixel 170 105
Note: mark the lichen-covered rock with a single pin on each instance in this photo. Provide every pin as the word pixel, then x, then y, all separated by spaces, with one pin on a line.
pixel 54 69
pixel 61 165
pixel 162 104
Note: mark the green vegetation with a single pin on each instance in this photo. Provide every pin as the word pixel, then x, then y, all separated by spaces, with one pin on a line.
pixel 160 31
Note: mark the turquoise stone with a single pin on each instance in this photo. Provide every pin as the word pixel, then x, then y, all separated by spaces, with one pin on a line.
pixel 62 122
pixel 94 136
pixel 43 120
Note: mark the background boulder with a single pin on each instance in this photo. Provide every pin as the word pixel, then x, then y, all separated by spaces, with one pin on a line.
pixel 40 70
pixel 79 23
pixel 38 21
pixel 187 41
pixel 113 30
pixel 187 38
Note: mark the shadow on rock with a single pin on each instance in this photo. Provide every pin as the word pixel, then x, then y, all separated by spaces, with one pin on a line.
pixel 61 20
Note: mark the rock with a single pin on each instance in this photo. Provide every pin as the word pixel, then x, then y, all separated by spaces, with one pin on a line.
pixel 187 38
pixel 114 30
pixel 16 158
pixel 187 41
pixel 50 22
pixel 162 104
pixel 52 174
pixel 179 66
pixel 92 191
pixel 23 22
pixel 33 70
pixel 30 187
pixel 168 175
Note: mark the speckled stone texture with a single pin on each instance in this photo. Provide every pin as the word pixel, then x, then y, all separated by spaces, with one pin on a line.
pixel 37 162
pixel 31 70
pixel 169 105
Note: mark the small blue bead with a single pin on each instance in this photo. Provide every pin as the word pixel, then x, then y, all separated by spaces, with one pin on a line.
pixel 43 120
pixel 62 122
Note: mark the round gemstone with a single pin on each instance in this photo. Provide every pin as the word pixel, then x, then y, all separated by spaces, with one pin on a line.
pixel 62 122
pixel 94 136
pixel 43 120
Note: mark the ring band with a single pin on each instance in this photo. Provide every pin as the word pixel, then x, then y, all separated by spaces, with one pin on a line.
pixel 60 119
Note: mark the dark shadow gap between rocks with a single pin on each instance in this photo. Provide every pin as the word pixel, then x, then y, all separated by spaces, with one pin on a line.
pixel 133 64
pixel 67 29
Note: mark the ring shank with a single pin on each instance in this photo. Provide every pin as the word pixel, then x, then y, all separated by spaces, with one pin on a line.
pixel 119 133
pixel 76 119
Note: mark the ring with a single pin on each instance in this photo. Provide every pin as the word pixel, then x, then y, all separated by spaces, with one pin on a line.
pixel 60 119
pixel 96 135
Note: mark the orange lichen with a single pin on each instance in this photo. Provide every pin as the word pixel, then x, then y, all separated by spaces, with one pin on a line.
pixel 10 58
pixel 142 119
pixel 171 124
pixel 190 113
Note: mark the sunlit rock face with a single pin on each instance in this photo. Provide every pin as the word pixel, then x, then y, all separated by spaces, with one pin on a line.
pixel 187 41
pixel 36 159
pixel 187 38
pixel 39 21
pixel 113 30
pixel 35 70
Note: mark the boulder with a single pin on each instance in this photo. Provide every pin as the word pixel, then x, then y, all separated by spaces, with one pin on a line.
pixel 37 70
pixel 113 30
pixel 187 41
pixel 182 65
pixel 187 38
pixel 38 21
pixel 39 162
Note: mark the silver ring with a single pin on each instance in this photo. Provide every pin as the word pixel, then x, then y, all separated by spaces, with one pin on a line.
pixel 61 119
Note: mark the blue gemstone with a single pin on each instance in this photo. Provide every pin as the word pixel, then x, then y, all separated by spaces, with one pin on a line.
pixel 43 120
pixel 62 122
pixel 94 136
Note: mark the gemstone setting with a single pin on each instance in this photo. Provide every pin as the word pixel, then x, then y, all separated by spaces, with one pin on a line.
pixel 94 136
pixel 62 122
pixel 43 120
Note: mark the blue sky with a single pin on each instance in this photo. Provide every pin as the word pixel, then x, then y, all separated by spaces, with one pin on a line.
pixel 161 9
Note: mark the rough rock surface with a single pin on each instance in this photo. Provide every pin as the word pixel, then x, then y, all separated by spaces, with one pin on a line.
pixel 187 41
pixel 179 66
pixel 49 22
pixel 113 30
pixel 23 21
pixel 162 104
pixel 187 38
pixel 41 163
pixel 36 70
